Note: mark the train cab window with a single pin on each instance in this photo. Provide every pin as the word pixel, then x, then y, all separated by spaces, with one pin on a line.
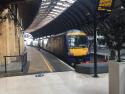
pixel 77 41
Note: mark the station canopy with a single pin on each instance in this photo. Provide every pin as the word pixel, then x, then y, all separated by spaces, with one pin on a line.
pixel 50 17
pixel 48 11
pixel 57 16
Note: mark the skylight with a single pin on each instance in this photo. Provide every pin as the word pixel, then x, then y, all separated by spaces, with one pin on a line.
pixel 48 11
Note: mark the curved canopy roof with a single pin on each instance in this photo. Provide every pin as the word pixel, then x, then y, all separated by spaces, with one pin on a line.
pixel 65 15
pixel 48 11
pixel 56 16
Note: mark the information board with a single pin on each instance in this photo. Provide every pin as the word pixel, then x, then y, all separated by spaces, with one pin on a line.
pixel 105 5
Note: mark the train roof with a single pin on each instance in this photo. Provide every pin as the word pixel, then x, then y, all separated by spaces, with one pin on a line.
pixel 75 32
pixel 69 32
pixel 72 32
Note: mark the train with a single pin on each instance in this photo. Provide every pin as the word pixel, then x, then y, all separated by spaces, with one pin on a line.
pixel 71 46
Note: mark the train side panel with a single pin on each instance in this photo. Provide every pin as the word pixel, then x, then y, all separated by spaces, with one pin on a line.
pixel 44 43
pixel 57 45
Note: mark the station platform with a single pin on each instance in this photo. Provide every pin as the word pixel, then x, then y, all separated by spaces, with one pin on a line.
pixel 42 61
pixel 49 75
pixel 68 82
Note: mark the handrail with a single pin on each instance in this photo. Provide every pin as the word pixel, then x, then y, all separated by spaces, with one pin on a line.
pixel 23 59
pixel 13 56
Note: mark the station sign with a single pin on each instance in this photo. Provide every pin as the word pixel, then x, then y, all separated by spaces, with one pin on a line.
pixel 105 5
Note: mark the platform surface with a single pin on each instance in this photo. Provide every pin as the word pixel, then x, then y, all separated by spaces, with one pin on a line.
pixel 89 68
pixel 36 60
pixel 55 83
pixel 43 61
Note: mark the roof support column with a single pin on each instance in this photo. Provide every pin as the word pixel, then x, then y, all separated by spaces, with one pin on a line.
pixel 95 38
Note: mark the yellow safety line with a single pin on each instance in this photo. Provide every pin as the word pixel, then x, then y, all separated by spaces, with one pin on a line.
pixel 47 64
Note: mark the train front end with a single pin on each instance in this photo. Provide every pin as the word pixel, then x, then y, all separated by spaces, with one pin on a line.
pixel 78 51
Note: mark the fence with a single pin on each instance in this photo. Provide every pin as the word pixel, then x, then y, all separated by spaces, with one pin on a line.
pixel 15 63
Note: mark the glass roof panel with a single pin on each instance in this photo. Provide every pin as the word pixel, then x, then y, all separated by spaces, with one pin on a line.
pixel 48 11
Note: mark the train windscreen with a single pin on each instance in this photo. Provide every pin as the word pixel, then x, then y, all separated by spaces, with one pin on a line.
pixel 77 41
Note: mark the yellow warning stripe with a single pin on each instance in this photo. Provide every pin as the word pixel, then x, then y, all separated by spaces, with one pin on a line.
pixel 47 64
